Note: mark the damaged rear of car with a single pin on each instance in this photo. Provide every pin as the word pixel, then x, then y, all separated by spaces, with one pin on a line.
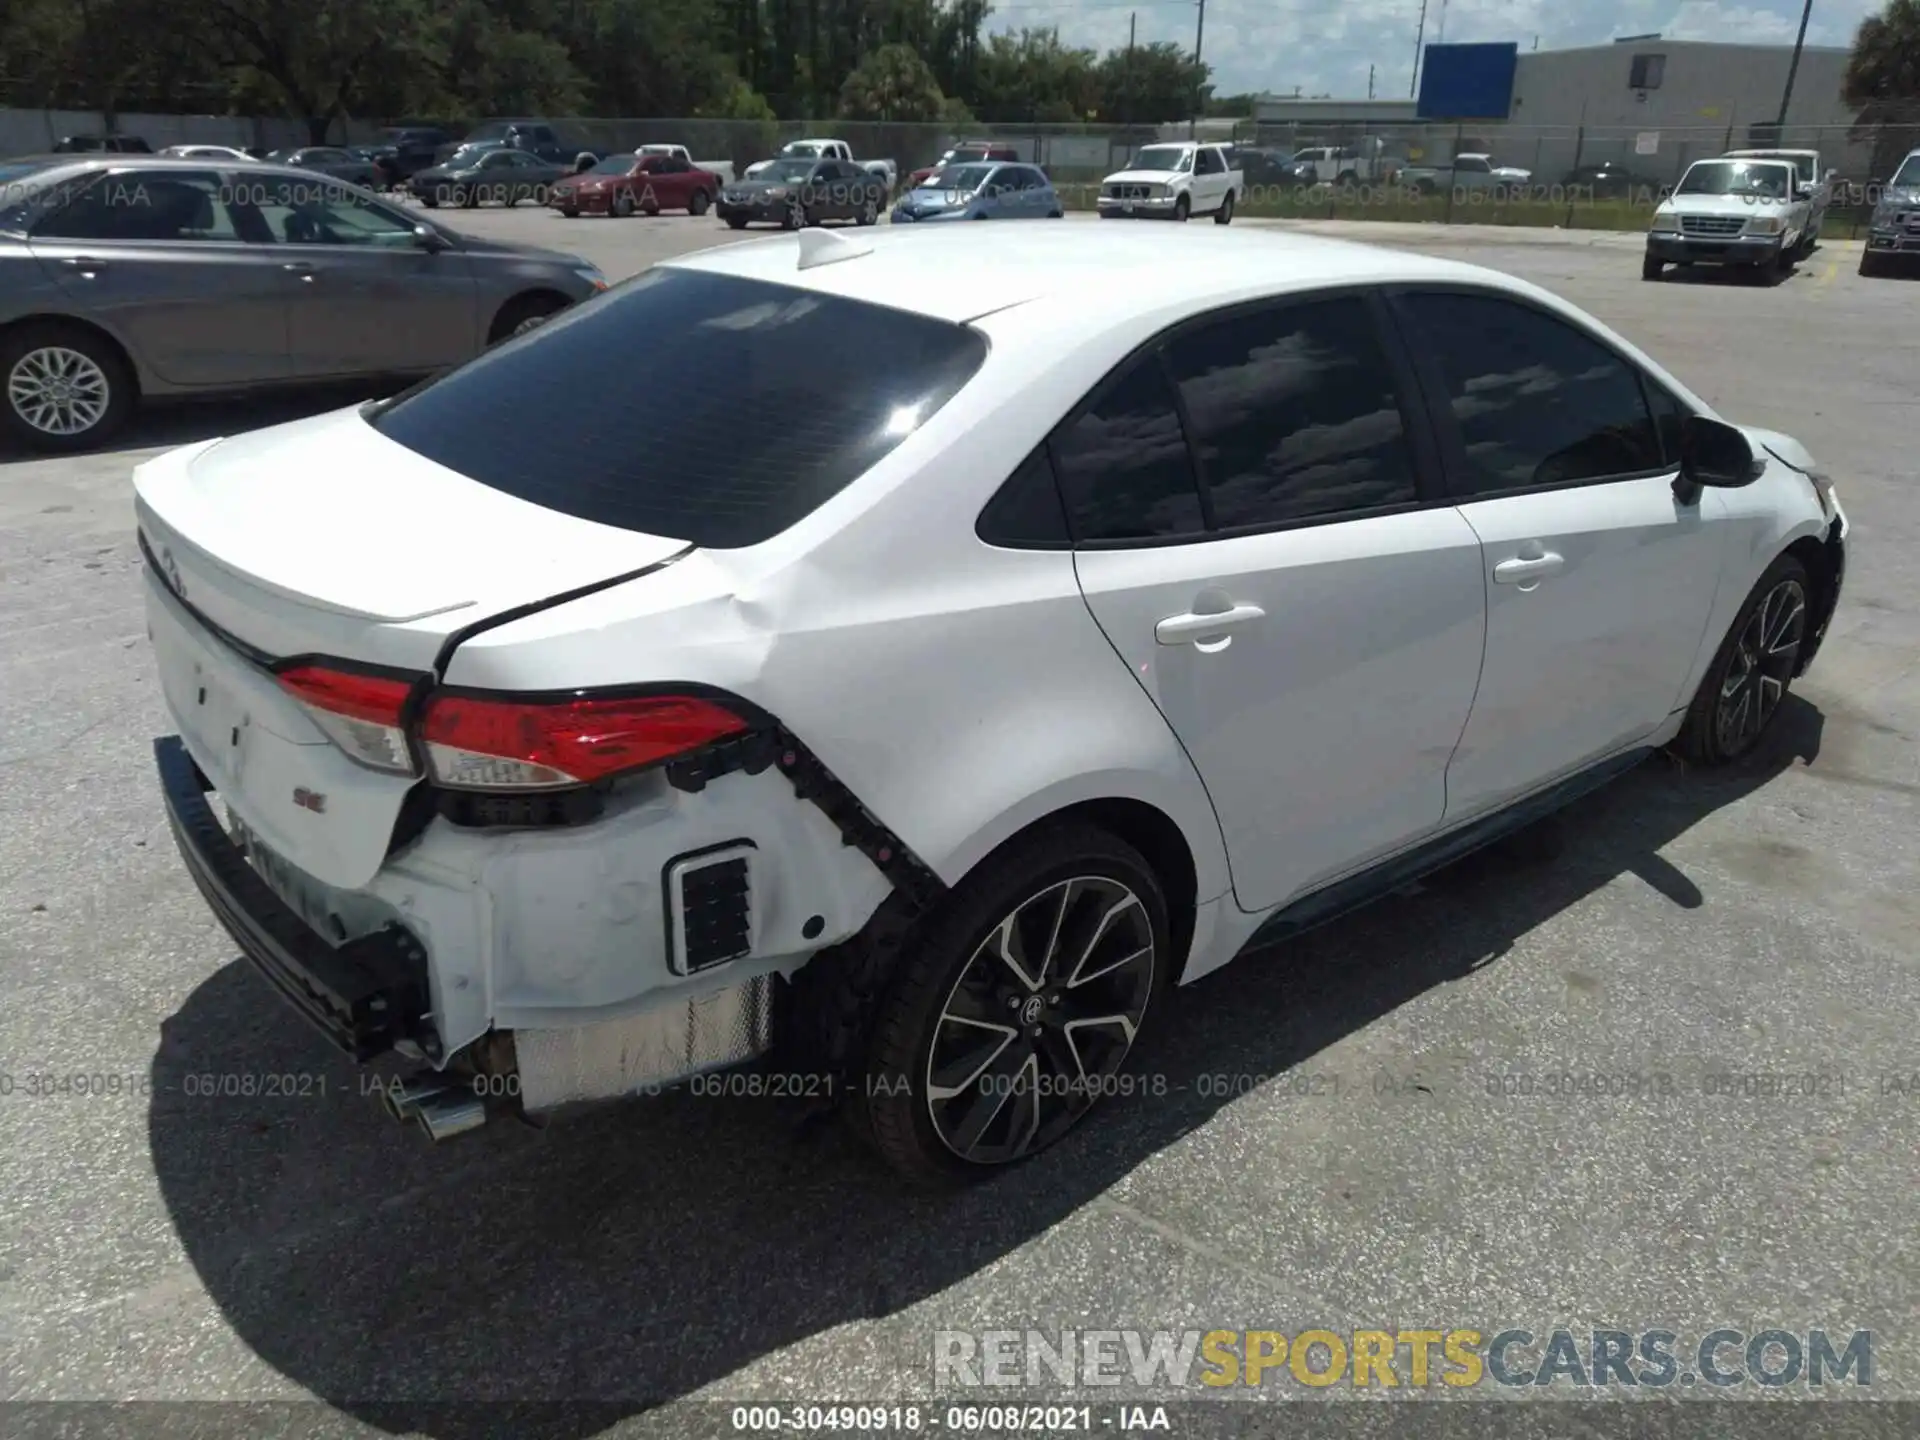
pixel 466 830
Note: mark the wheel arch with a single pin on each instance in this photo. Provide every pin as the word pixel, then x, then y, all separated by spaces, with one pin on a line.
pixel 1824 558
pixel 1191 868
pixel 496 330
pixel 141 380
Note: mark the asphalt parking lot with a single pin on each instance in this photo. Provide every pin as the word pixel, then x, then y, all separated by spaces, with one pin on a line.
pixel 1367 1129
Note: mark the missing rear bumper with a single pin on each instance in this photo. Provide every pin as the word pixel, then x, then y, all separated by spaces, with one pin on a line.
pixel 368 996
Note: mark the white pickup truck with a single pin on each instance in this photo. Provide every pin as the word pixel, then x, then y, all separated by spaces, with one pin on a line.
pixel 830 150
pixel 1364 164
pixel 1474 172
pixel 721 168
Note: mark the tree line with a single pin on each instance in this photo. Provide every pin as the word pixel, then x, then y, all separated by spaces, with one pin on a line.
pixel 323 61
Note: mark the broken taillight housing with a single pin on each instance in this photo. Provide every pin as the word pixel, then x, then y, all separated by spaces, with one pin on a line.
pixel 360 713
pixel 480 742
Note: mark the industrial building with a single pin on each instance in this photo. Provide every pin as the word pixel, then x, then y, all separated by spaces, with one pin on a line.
pixel 1652 103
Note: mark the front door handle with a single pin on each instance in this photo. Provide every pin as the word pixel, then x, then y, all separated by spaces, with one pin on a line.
pixel 85 264
pixel 300 268
pixel 1530 569
pixel 1207 630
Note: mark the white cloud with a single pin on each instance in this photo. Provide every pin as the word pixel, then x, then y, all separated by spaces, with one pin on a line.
pixel 1326 46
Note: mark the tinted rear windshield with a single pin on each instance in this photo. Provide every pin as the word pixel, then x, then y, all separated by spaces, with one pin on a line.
pixel 700 407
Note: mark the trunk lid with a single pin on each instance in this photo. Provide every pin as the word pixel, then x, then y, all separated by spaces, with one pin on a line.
pixel 323 538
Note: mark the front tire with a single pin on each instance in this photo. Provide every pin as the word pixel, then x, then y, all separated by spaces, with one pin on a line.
pixel 697 203
pixel 735 222
pixel 1871 265
pixel 1652 269
pixel 623 204
pixel 1182 208
pixel 1743 687
pixel 63 389
pixel 1015 1006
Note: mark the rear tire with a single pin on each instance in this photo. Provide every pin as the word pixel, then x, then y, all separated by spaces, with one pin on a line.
pixel 63 388
pixel 959 975
pixel 1224 215
pixel 1751 672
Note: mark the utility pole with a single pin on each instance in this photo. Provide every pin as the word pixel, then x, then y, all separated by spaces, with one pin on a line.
pixel 1419 45
pixel 1193 129
pixel 1126 102
pixel 1441 39
pixel 1369 82
pixel 1793 69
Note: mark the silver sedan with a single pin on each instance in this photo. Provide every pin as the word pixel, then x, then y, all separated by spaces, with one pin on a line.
pixel 129 278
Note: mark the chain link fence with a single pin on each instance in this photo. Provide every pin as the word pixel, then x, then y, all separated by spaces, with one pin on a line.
pixel 1580 176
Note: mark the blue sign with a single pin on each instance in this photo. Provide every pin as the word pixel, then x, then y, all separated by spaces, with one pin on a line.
pixel 1467 82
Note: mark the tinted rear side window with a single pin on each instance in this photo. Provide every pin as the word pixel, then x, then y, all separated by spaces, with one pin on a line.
pixel 701 407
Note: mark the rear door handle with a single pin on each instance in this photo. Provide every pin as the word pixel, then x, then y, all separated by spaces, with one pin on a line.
pixel 1519 572
pixel 1191 627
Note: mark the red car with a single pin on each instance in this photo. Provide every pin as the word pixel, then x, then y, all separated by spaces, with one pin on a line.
pixel 622 184
pixel 969 152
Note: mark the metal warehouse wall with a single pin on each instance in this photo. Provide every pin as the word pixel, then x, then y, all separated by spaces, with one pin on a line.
pixel 1704 85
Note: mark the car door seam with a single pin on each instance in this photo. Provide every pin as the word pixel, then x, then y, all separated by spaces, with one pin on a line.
pixel 1192 764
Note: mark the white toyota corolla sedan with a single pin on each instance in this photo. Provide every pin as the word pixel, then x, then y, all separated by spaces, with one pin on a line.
pixel 875 669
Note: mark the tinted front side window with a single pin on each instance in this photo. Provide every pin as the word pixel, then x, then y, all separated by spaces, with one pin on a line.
pixel 771 401
pixel 1124 468
pixel 1294 413
pixel 1536 401
pixel 1668 413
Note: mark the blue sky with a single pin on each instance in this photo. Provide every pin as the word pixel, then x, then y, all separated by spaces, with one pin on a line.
pixel 1325 46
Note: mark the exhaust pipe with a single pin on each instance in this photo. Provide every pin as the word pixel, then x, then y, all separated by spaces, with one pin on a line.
pixel 401 1102
pixel 446 1115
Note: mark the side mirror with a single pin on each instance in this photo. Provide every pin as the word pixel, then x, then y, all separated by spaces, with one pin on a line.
pixel 429 239
pixel 1804 191
pixel 1715 455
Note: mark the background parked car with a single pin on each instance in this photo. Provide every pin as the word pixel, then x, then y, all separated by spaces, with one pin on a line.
pixel 221 153
pixel 967 152
pixel 623 184
pixel 793 193
pixel 981 192
pixel 112 144
pixel 404 151
pixel 496 174
pixel 223 279
pixel 330 160
pixel 534 137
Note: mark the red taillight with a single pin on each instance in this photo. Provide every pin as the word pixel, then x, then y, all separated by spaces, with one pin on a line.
pixel 359 713
pixel 478 743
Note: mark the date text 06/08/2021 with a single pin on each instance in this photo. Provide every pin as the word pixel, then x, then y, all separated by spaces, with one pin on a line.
pixel 953 1419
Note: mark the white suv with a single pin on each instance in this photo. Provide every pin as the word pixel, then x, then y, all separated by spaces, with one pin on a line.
pixel 1173 182
pixel 1040 631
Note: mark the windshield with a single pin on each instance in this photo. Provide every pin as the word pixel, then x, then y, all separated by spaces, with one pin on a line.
pixel 959 177
pixel 1164 158
pixel 803 147
pixel 1759 179
pixel 787 170
pixel 496 131
pixel 1908 173
pixel 614 165
pixel 281 157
